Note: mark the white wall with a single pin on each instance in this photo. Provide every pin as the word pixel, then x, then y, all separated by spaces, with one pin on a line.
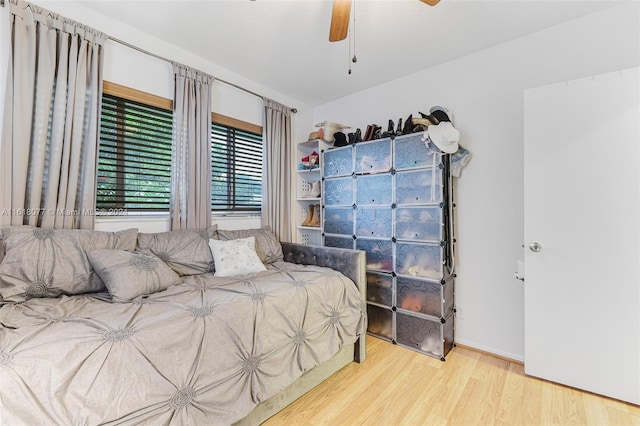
pixel 485 91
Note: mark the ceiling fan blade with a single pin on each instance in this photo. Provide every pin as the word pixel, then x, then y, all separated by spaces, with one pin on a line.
pixel 340 20
pixel 430 2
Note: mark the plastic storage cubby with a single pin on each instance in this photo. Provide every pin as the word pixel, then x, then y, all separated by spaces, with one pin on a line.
pixel 338 220
pixel 374 222
pixel 429 336
pixel 338 162
pixel 338 191
pixel 391 198
pixel 379 253
pixel 373 156
pixel 374 190
pixel 427 297
pixel 339 242
pixel 380 289
pixel 380 321
pixel 419 223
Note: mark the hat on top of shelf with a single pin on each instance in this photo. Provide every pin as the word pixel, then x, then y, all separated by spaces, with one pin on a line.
pixel 341 139
pixel 444 136
pixel 441 114
pixel 329 129
pixel 314 136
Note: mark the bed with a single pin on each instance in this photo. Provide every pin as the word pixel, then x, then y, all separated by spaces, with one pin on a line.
pixel 81 344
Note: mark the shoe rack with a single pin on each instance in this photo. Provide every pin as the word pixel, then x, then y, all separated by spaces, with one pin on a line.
pixel 392 197
pixel 309 191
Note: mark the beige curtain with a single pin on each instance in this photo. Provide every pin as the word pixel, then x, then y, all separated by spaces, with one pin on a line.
pixel 50 130
pixel 190 206
pixel 276 175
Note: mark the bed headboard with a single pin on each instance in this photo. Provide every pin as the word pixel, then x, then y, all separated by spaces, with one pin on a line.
pixel 352 263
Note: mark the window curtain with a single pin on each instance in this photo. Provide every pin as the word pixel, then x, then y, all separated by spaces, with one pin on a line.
pixel 190 204
pixel 276 175
pixel 49 143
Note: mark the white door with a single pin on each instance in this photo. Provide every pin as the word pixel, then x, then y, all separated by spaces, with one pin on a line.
pixel 582 234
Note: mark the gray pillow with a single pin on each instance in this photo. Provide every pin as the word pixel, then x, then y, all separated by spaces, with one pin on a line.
pixel 267 245
pixel 185 251
pixel 128 275
pixel 50 262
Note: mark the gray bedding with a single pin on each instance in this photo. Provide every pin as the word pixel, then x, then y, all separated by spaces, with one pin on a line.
pixel 205 351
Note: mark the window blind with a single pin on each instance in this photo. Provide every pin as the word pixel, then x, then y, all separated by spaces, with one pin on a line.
pixel 236 169
pixel 134 163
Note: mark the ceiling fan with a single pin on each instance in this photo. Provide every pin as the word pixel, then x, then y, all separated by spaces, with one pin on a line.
pixel 340 18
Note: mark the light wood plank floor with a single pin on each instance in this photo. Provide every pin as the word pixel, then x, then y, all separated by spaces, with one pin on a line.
pixel 397 386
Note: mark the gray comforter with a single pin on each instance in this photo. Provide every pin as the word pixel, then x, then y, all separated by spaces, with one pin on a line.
pixel 205 351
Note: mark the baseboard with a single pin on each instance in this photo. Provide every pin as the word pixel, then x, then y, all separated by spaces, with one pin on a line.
pixel 490 351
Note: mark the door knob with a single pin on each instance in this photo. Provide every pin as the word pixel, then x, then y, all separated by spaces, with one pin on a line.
pixel 535 247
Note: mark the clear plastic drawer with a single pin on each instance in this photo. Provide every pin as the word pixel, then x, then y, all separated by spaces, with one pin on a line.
pixel 374 190
pixel 380 321
pixel 373 157
pixel 419 260
pixel 379 253
pixel 338 220
pixel 419 223
pixel 340 242
pixel 380 288
pixel 426 297
pixel 338 191
pixel 419 187
pixel 338 162
pixel 374 222
pixel 411 152
pixel 425 335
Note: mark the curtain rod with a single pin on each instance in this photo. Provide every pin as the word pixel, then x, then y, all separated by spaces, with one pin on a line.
pixel 293 110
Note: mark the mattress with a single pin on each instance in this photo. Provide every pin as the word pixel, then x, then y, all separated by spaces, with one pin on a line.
pixel 205 351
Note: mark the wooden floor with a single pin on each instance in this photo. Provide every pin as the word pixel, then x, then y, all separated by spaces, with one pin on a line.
pixel 397 386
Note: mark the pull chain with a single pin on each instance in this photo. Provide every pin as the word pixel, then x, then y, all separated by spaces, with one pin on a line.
pixel 353 29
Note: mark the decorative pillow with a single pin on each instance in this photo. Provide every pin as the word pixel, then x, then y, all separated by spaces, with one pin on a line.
pixel 236 257
pixel 185 251
pixel 267 245
pixel 128 275
pixel 50 262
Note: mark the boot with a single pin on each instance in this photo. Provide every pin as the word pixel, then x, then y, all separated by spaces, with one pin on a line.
pixel 315 220
pixel 352 138
pixel 315 189
pixel 368 134
pixel 408 125
pixel 390 130
pixel 309 217
pixel 399 128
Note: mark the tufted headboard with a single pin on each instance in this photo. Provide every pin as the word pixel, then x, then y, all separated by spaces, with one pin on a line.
pixel 352 263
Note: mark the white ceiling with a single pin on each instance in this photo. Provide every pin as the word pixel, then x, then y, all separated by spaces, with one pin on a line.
pixel 284 44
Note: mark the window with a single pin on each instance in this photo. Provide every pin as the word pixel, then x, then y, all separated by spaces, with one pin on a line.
pixel 236 169
pixel 134 163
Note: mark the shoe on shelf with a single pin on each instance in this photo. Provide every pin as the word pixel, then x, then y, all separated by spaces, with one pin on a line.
pixel 315 219
pixel 315 189
pixel 310 214
pixel 313 158
pixel 408 125
pixel 368 134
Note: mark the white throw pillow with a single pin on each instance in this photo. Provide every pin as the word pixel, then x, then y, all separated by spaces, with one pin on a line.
pixel 236 257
